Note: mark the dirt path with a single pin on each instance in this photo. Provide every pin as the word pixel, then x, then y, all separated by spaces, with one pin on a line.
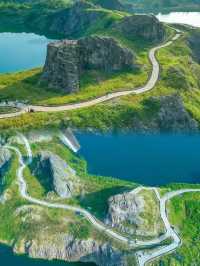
pixel 148 86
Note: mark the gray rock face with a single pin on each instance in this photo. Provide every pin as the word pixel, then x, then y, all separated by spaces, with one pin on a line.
pixel 171 116
pixel 62 69
pixel 65 247
pixel 75 20
pixel 194 43
pixel 67 60
pixel 63 177
pixel 104 54
pixel 141 26
pixel 124 212
pixel 5 157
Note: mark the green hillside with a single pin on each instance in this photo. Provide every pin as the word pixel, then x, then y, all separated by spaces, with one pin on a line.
pixel 162 5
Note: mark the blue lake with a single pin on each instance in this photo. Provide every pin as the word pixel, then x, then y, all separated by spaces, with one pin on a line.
pixel 189 18
pixel 20 51
pixel 145 159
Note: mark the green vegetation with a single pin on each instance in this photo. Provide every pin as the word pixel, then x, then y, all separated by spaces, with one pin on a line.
pixel 22 221
pixel 38 16
pixel 151 214
pixel 29 16
pixel 184 215
pixel 6 110
pixel 180 74
pixel 161 6
pixel 97 189
pixel 24 86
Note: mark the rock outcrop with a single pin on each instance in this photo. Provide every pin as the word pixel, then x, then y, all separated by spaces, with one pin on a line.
pixel 65 247
pixel 58 175
pixel 62 70
pixel 170 116
pixel 145 27
pixel 124 212
pixel 194 44
pixel 5 157
pixel 67 60
pixel 75 20
pixel 104 54
pixel 173 115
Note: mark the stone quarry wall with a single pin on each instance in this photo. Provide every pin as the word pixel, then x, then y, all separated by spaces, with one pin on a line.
pixel 61 70
pixel 67 60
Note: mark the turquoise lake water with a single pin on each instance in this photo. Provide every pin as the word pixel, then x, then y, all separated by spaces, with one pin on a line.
pixel 20 51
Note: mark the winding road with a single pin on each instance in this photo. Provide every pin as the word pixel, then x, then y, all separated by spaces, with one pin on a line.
pixel 142 256
pixel 149 86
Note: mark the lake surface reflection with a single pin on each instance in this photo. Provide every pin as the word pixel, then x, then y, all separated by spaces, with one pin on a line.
pixel 145 159
pixel 20 51
pixel 190 18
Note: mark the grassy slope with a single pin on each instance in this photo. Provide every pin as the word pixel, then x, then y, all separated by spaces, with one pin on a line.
pixel 97 189
pixel 184 215
pixel 24 86
pixel 32 16
pixel 185 82
pixel 25 221
pixel 22 221
pixel 162 6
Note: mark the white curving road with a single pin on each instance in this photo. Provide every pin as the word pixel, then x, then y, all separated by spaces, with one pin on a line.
pixel 146 256
pixel 94 221
pixel 149 86
pixel 142 256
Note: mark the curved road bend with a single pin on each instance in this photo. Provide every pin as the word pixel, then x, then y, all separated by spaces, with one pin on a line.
pixel 143 257
pixel 146 256
pixel 98 224
pixel 149 86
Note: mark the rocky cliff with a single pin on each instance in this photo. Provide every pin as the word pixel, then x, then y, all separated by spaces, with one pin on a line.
pixel 170 116
pixel 194 44
pixel 84 16
pixel 5 157
pixel 145 27
pixel 65 247
pixel 75 20
pixel 62 66
pixel 104 54
pixel 67 60
pixel 124 212
pixel 58 176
